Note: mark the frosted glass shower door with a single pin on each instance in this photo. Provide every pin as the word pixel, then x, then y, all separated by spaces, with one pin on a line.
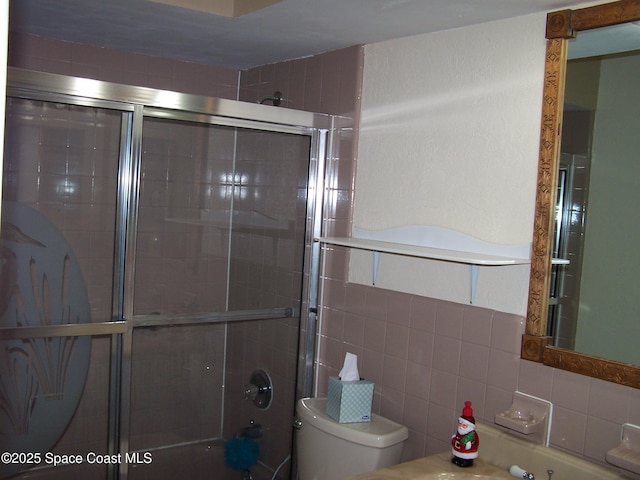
pixel 59 205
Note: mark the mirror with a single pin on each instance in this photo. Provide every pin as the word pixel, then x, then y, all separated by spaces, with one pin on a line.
pixel 596 225
pixel 538 344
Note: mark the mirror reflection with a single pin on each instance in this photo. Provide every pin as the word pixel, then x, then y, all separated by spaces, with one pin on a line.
pixel 594 306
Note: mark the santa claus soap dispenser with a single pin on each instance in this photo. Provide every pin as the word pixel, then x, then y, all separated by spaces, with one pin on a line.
pixel 464 444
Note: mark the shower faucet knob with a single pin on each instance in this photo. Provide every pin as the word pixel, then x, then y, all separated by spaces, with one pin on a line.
pixel 251 391
pixel 259 389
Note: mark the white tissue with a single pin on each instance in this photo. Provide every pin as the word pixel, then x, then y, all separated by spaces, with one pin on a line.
pixel 349 372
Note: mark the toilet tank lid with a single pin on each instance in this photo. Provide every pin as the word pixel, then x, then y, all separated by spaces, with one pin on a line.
pixel 380 432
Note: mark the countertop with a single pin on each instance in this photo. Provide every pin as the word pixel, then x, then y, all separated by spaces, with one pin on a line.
pixel 436 467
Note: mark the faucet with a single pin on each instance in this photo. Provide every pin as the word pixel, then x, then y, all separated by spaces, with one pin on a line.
pixel 518 472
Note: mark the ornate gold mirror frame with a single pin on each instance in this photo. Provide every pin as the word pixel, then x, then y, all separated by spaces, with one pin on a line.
pixel 536 347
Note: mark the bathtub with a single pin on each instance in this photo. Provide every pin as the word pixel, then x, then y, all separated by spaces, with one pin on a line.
pixel 198 461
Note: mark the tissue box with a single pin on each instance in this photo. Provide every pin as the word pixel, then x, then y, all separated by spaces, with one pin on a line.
pixel 350 402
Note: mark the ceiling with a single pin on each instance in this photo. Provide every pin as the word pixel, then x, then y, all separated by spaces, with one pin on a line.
pixel 282 31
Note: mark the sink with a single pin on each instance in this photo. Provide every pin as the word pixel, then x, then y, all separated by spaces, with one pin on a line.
pixel 498 450
pixel 437 467
pixel 390 474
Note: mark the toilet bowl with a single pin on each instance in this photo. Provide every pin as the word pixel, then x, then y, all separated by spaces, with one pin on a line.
pixel 328 450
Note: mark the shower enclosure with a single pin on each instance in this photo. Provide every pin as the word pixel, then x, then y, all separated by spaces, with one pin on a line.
pixel 157 249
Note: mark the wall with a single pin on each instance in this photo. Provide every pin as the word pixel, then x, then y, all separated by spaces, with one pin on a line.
pixel 327 83
pixel 81 146
pixel 266 270
pixel 426 355
pixel 449 137
pixel 191 358
pixel 66 58
pixel 446 140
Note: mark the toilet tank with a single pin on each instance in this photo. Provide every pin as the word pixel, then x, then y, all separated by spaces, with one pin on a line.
pixel 328 450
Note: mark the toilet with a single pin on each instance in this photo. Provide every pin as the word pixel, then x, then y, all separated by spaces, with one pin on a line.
pixel 328 450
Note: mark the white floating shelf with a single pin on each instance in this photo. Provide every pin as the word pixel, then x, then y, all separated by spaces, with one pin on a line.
pixel 423 252
pixel 429 243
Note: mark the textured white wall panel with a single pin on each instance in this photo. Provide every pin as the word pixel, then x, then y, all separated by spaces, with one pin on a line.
pixel 449 137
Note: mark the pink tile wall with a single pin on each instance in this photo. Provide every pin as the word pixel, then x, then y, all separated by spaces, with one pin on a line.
pixel 82 149
pixel 428 356
pixel 176 371
pixel 425 356
pixel 62 161
pixel 66 58
pixel 181 258
pixel 265 272
pixel 326 83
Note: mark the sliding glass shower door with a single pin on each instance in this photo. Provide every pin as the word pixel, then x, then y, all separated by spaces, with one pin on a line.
pixel 153 260
pixel 221 228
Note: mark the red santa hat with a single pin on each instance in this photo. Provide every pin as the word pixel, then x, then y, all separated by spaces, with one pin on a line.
pixel 467 413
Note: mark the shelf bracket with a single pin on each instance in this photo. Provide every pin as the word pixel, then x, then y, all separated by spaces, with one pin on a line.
pixel 474 270
pixel 473 282
pixel 376 266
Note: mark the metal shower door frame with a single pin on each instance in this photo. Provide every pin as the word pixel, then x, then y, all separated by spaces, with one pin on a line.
pixel 135 103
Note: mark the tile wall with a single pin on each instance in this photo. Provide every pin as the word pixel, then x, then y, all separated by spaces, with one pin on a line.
pixel 66 58
pixel 176 371
pixel 266 272
pixel 427 356
pixel 268 344
pixel 328 83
